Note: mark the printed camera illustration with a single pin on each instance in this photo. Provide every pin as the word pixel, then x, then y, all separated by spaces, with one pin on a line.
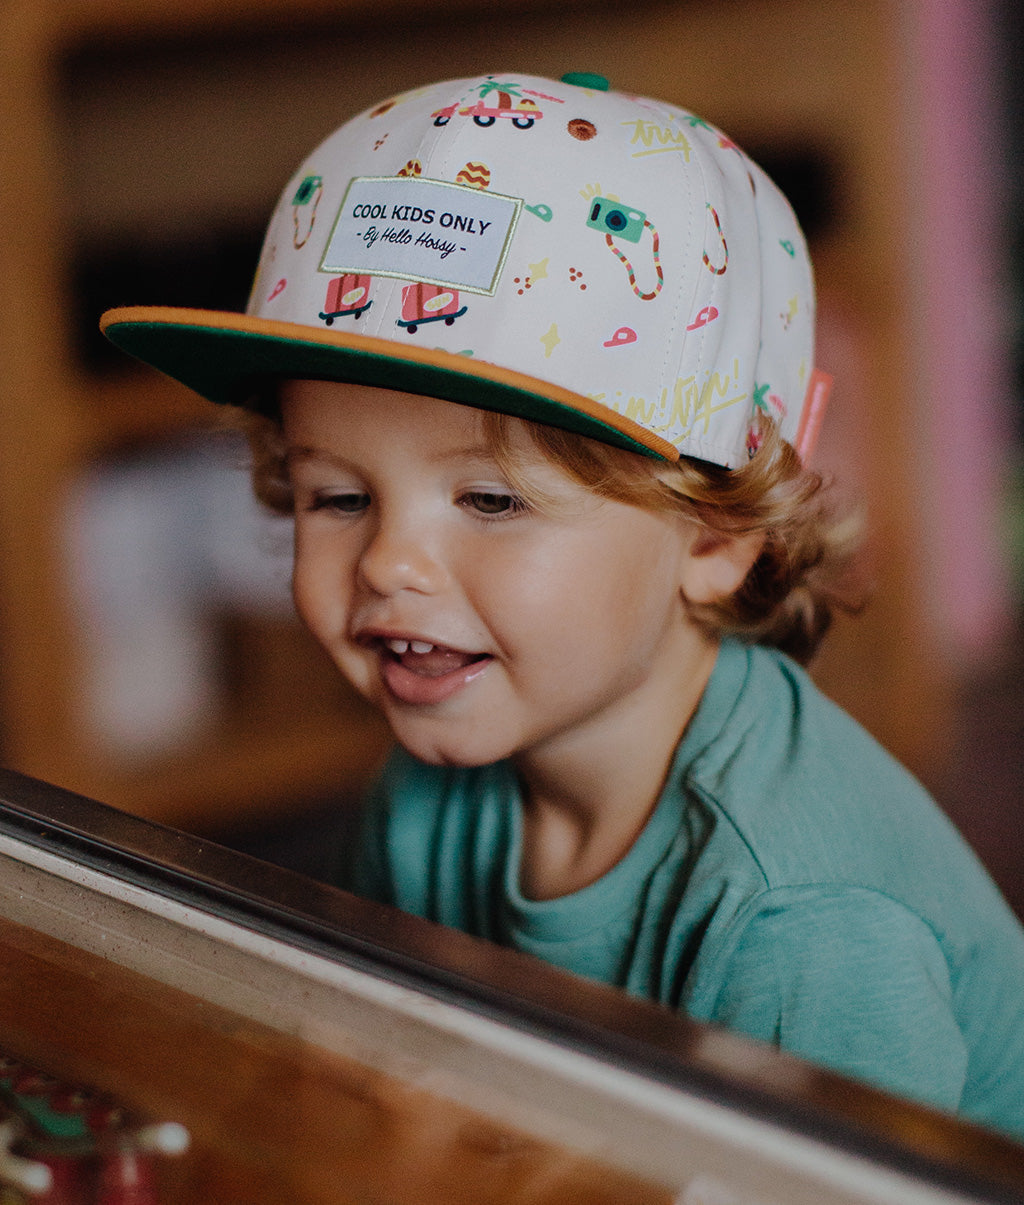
pixel 612 217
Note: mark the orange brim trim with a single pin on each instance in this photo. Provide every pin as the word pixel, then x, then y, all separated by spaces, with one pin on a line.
pixel 296 333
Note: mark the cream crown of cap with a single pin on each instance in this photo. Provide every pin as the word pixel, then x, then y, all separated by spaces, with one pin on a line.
pixel 550 249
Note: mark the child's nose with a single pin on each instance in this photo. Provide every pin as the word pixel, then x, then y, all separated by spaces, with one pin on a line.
pixel 398 557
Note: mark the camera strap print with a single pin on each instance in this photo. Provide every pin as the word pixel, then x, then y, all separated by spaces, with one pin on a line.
pixel 630 271
pixel 706 259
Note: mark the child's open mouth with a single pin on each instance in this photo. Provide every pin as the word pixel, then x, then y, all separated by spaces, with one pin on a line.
pixel 415 671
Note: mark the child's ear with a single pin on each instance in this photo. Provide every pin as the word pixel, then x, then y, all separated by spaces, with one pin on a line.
pixel 718 563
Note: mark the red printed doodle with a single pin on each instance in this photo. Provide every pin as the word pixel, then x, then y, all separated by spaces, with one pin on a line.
pixel 423 303
pixel 347 296
pixel 475 175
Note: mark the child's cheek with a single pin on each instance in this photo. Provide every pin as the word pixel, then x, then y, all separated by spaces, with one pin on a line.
pixel 319 601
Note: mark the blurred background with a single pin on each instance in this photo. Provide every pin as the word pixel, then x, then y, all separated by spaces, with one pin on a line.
pixel 148 655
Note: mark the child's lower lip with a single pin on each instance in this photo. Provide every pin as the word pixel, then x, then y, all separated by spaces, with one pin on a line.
pixel 406 686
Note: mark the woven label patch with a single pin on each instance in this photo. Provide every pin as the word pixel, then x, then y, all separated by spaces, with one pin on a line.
pixel 422 230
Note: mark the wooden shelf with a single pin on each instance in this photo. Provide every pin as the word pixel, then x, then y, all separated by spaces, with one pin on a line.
pixel 138 407
pixel 71 21
pixel 246 772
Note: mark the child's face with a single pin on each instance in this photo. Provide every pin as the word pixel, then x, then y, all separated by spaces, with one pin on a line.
pixel 482 627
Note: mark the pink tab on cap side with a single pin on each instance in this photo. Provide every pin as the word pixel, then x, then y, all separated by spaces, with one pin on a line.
pixel 819 387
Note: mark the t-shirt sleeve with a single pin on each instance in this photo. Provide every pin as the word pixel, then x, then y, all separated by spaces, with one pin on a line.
pixel 850 979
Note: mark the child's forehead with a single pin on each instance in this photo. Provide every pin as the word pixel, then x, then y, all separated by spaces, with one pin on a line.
pixel 337 413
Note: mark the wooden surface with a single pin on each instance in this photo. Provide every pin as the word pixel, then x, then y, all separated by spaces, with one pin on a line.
pixel 320 1047
pixel 272 1119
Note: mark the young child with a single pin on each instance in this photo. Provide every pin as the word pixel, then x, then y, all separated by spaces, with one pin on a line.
pixel 531 364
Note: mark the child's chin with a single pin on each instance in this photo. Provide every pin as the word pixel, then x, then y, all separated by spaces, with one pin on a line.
pixel 455 751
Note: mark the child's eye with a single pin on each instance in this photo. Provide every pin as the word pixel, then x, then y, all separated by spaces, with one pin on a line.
pixel 341 503
pixel 493 505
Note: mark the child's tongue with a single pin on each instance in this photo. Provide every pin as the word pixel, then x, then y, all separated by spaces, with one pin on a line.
pixel 436 662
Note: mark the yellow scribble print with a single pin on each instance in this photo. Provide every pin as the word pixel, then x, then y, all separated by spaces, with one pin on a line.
pixel 551 340
pixel 655 139
pixel 595 190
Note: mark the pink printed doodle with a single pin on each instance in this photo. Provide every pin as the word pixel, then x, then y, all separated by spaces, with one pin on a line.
pixel 767 402
pixel 623 336
pixel 278 289
pixel 818 389
pixel 510 103
pixel 708 314
pixel 523 114
pixel 544 96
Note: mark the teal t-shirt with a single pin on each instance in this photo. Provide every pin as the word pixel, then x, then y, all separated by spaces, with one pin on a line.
pixel 794 883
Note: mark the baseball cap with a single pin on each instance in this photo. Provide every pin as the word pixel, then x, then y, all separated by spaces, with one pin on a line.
pixel 555 250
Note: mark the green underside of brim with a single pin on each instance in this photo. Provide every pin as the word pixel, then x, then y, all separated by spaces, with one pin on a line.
pixel 240 368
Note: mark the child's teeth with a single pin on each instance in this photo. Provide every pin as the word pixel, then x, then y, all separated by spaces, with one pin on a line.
pixel 401 647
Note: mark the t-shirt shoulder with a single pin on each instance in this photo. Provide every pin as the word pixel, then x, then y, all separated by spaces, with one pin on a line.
pixel 811 794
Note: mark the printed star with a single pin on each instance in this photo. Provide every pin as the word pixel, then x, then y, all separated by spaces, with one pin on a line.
pixel 551 340
pixel 539 271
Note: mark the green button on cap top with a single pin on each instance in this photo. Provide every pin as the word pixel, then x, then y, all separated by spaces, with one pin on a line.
pixel 586 79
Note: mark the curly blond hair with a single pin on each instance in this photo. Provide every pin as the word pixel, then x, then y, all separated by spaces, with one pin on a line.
pixel 802 577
